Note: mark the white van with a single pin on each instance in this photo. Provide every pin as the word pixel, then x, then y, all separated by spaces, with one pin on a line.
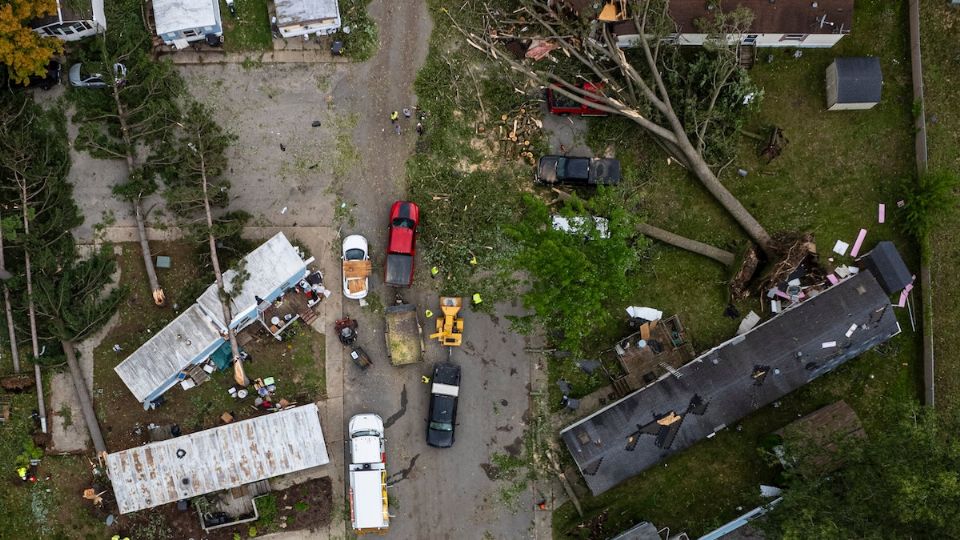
pixel 368 475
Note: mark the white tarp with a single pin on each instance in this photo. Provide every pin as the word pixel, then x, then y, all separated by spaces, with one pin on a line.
pixel 647 313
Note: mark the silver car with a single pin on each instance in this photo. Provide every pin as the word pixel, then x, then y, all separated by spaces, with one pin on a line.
pixel 95 80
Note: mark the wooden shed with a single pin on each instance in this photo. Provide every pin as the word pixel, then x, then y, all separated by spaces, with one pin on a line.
pixel 854 83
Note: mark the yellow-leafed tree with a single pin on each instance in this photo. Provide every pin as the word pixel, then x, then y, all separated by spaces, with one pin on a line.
pixel 22 50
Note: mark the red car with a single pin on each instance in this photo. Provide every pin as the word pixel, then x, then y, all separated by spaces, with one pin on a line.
pixel 404 218
pixel 558 103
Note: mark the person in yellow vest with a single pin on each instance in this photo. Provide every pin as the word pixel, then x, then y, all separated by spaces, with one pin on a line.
pixel 476 299
pixel 22 473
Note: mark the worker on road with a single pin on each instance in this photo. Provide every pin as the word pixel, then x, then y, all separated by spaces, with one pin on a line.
pixel 477 300
pixel 428 313
pixel 434 271
pixel 424 379
pixel 394 116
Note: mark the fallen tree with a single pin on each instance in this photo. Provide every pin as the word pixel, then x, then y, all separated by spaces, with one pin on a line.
pixel 634 85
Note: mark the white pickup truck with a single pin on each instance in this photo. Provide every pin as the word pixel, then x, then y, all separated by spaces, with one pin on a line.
pixel 368 475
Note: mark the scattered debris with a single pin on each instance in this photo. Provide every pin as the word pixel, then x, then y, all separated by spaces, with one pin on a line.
pixel 748 323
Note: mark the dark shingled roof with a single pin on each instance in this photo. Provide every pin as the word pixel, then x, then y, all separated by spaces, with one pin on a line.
pixel 780 17
pixel 885 262
pixel 730 381
pixel 859 80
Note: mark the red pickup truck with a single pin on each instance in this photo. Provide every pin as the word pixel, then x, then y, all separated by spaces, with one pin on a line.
pixel 401 247
pixel 558 103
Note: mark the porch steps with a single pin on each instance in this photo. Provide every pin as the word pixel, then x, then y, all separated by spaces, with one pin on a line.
pixel 746 55
pixel 621 387
pixel 308 316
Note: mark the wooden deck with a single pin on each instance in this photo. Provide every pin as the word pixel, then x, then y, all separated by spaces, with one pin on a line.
pixel 666 349
pixel 281 314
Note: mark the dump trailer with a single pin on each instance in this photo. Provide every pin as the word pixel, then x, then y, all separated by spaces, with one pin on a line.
pixel 404 334
pixel 368 475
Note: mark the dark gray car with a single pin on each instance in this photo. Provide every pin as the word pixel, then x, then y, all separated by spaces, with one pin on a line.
pixel 581 171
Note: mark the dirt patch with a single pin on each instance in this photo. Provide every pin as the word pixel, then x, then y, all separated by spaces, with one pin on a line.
pixel 515 448
pixel 305 506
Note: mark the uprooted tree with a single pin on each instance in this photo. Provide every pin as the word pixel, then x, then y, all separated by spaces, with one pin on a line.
pixel 640 83
pixel 131 118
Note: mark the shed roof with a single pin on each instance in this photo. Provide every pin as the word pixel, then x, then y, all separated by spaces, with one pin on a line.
pixel 304 11
pixel 730 381
pixel 780 17
pixel 216 459
pixel 859 79
pixel 168 352
pixel 176 15
pixel 885 262
pixel 269 266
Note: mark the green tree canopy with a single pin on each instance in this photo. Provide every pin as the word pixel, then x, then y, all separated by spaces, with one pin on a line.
pixel 574 278
pixel 901 482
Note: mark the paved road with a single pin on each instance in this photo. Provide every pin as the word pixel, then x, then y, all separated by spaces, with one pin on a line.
pixel 435 493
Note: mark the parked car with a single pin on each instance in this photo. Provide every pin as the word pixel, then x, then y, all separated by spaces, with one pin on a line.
pixel 558 103
pixel 442 422
pixel 578 225
pixel 581 171
pixel 81 79
pixel 49 79
pixel 356 267
pixel 404 218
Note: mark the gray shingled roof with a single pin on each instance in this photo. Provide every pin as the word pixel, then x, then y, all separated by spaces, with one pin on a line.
pixel 730 381
pixel 217 459
pixel 885 262
pixel 859 80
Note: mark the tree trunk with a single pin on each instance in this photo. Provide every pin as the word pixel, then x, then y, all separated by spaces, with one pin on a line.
pixel 723 257
pixel 41 406
pixel 158 296
pixel 726 199
pixel 11 330
pixel 31 312
pixel 224 298
pixel 155 289
pixel 86 404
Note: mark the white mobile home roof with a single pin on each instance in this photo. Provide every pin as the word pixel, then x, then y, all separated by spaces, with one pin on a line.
pixel 176 15
pixel 217 459
pixel 302 11
pixel 168 352
pixel 269 267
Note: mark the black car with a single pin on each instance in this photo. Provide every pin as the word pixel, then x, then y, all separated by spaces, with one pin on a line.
pixel 48 80
pixel 443 405
pixel 582 171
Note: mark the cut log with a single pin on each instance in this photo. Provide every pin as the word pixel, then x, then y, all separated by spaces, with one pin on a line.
pixel 723 257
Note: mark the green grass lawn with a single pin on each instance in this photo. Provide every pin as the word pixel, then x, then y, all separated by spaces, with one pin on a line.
pixel 835 170
pixel 940 29
pixel 250 29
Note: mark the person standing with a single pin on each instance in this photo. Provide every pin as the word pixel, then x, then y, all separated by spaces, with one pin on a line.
pixel 394 116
